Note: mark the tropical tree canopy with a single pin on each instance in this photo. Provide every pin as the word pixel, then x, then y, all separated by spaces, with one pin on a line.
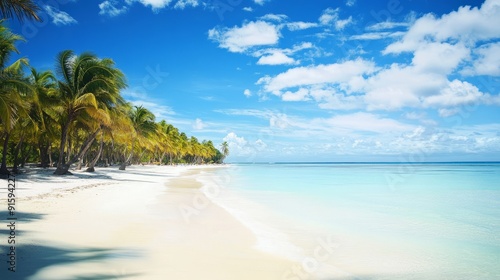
pixel 77 115
pixel 20 8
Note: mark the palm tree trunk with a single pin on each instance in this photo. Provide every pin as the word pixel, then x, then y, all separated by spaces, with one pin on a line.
pixel 84 149
pixel 63 168
pixel 25 155
pixel 19 145
pixel 3 167
pixel 49 151
pixel 94 161
pixel 124 163
pixel 44 154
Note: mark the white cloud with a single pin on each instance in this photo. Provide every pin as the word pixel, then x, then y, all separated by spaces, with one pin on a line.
pixel 300 95
pixel 138 98
pixel 274 17
pixel 338 73
pixel 342 23
pixel 160 111
pixel 366 122
pixel 182 4
pixel 247 93
pixel 251 34
pixel 414 115
pixel 243 149
pixel 457 93
pixel 199 124
pixel 276 58
pixel 260 2
pixel 376 35
pixel 156 5
pixel 400 86
pixel 247 9
pixel 439 57
pixel 300 25
pixel 260 145
pixel 332 99
pixel 487 62
pixel 385 25
pixel 279 121
pixel 350 3
pixel 467 25
pixel 109 8
pixel 331 16
pixel 233 140
pixel 59 17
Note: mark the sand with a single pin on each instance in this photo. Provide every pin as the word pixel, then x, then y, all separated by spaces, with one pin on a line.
pixel 148 222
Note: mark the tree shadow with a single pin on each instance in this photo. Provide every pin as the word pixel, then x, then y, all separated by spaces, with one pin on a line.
pixel 31 259
pixel 39 174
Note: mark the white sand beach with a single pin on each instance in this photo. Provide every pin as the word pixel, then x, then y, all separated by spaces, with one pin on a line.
pixel 129 224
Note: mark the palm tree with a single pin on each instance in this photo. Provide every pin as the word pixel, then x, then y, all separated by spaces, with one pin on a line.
pixel 12 84
pixel 143 122
pixel 44 112
pixel 83 79
pixel 225 150
pixel 21 8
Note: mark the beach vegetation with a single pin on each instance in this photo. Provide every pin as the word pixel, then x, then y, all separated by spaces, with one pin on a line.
pixel 76 116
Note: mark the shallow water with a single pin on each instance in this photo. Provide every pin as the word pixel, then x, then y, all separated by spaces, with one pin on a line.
pixel 382 221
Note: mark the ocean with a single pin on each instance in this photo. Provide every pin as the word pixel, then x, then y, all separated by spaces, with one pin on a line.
pixel 369 220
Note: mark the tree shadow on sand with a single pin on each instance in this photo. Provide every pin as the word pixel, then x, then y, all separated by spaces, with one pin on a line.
pixel 31 259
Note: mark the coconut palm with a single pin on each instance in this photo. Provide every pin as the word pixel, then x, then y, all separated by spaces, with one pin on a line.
pixel 144 126
pixel 44 112
pixel 21 8
pixel 83 79
pixel 12 85
pixel 224 149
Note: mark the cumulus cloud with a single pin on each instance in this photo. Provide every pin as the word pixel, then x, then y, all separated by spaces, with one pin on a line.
pixel 199 124
pixel 467 25
pixel 376 35
pixel 247 93
pixel 251 34
pixel 156 5
pixel 260 2
pixel 279 121
pixel 138 98
pixel 300 95
pixel 234 140
pixel 457 93
pixel 110 8
pixel 59 17
pixel 366 122
pixel 439 57
pixel 338 73
pixel 276 58
pixel 350 3
pixel 182 4
pixel 300 25
pixel 274 17
pixel 487 61
pixel 385 25
pixel 331 17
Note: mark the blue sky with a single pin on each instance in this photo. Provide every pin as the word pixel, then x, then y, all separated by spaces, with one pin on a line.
pixel 346 80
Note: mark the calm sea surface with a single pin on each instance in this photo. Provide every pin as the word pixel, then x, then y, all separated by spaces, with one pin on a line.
pixel 380 220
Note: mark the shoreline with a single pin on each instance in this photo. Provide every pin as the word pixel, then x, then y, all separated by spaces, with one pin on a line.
pixel 128 224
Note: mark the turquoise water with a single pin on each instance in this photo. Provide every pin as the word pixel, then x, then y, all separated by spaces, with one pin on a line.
pixel 388 221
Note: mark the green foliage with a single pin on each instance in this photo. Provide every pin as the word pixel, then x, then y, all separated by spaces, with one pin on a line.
pixel 58 117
